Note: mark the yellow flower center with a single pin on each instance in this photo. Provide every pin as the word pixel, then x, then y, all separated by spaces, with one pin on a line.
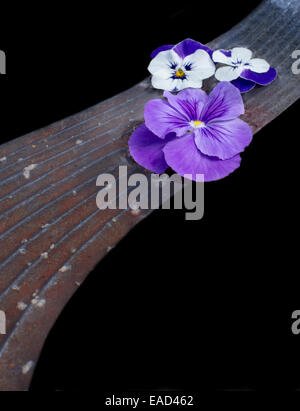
pixel 179 73
pixel 198 123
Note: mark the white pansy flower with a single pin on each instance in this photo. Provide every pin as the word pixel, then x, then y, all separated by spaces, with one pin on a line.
pixel 237 61
pixel 170 72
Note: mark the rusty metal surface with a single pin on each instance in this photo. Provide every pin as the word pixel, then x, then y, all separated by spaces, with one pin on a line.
pixel 51 231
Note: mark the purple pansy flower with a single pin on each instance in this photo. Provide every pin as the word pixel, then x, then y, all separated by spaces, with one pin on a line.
pixel 193 133
pixel 185 65
pixel 242 70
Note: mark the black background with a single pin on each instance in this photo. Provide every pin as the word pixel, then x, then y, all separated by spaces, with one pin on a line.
pixel 194 306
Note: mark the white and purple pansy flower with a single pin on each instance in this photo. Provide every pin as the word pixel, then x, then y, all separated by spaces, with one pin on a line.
pixel 185 65
pixel 193 133
pixel 242 70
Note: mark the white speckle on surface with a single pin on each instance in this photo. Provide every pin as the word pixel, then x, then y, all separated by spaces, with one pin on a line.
pixel 28 169
pixel 21 306
pixel 20 159
pixel 73 250
pixel 114 220
pixel 15 287
pixel 3 159
pixel 78 141
pixel 29 263
pixel 27 367
pixel 22 250
pixel 109 248
pixel 10 196
pixel 99 124
pixel 77 283
pixel 35 293
pixel 24 240
pixel 74 192
pixel 65 268
pixel 39 302
pixel 45 225
pixel 44 255
pixel 52 246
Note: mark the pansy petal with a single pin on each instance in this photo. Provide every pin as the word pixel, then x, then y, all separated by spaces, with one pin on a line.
pixel 183 156
pixel 188 101
pixel 188 83
pixel 159 49
pixel 163 61
pixel 222 56
pixel 163 84
pixel 223 139
pixel 200 64
pixel 241 55
pixel 228 73
pixel 163 119
pixel 181 84
pixel 260 78
pixel 258 65
pixel 147 149
pixel 192 96
pixel 224 103
pixel 243 85
pixel 189 46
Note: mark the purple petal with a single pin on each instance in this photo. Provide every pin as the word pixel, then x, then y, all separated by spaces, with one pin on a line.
pixel 224 103
pixel 243 85
pixel 163 119
pixel 260 78
pixel 190 102
pixel 226 53
pixel 147 149
pixel 223 139
pixel 189 46
pixel 159 49
pixel 184 157
pixel 222 56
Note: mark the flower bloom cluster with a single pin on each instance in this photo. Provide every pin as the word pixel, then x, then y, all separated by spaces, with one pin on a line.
pixel 192 132
pixel 186 64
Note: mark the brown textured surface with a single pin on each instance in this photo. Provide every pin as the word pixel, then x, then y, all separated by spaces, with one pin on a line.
pixel 54 210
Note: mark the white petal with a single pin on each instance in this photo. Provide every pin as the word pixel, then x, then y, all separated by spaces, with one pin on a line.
pixel 163 60
pixel 258 65
pixel 179 84
pixel 240 54
pixel 192 84
pixel 202 65
pixel 198 75
pixel 164 73
pixel 163 84
pixel 220 57
pixel 228 73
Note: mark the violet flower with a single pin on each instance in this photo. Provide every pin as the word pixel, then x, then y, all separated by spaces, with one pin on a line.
pixel 193 133
pixel 185 65
pixel 242 70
